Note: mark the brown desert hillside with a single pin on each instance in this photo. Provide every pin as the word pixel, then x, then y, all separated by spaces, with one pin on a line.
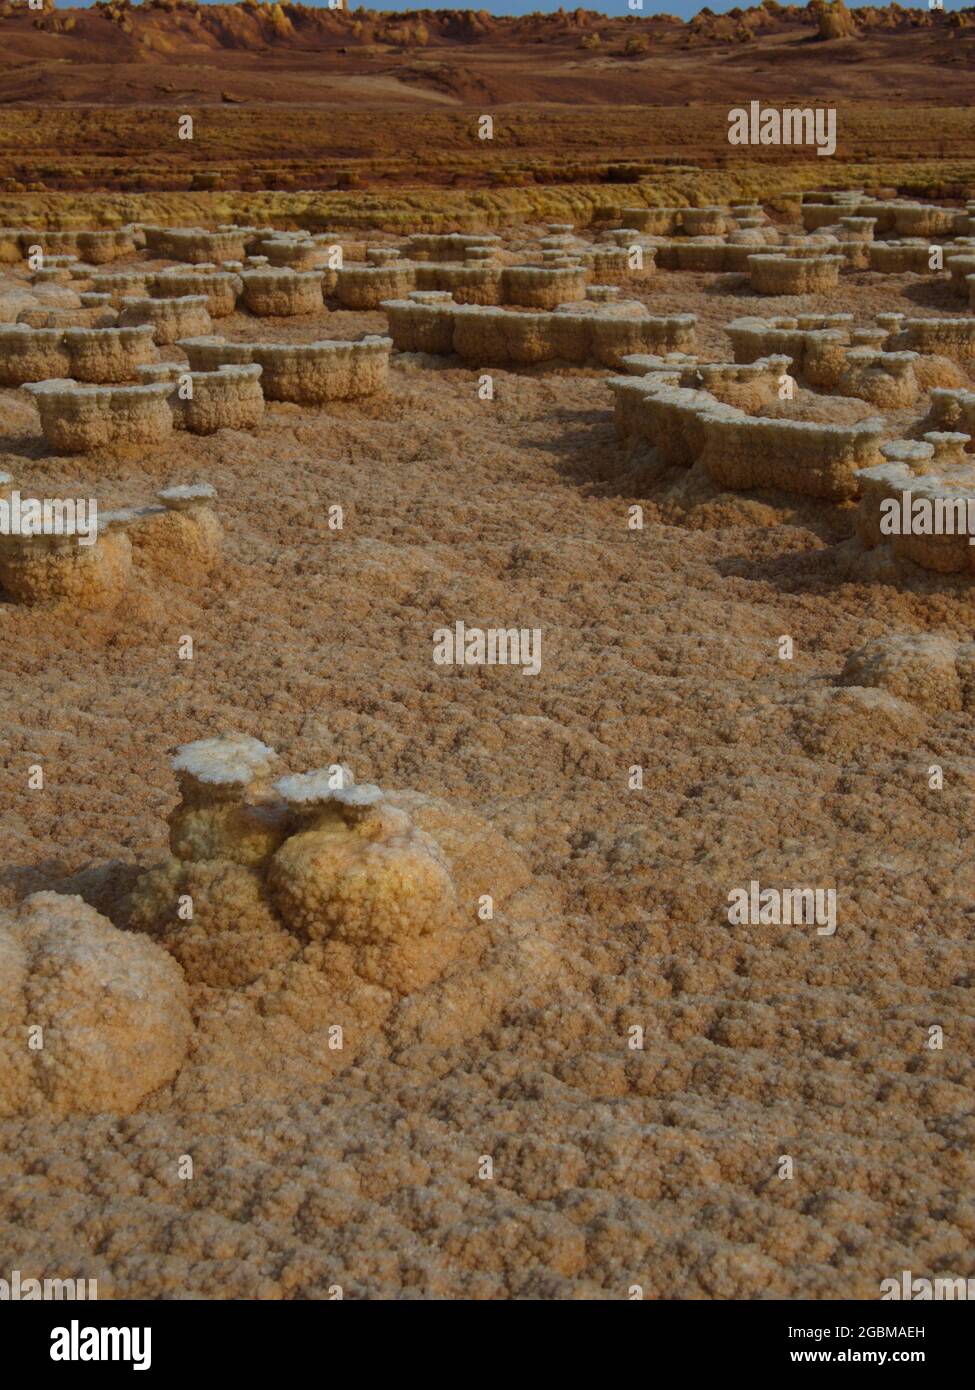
pixel 173 51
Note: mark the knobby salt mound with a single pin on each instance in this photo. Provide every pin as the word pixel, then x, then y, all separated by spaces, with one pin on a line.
pixel 92 1018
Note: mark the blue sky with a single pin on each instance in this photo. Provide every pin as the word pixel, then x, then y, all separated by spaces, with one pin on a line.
pixel 683 8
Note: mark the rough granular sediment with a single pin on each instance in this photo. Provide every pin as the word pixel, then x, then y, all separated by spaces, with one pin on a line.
pixel 926 669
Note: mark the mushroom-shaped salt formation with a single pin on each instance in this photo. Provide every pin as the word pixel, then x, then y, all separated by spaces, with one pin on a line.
pixel 107 355
pixel 898 257
pixel 226 826
pixel 924 220
pixel 315 866
pixel 290 252
pixel 360 878
pixel 194 245
pixel 713 221
pixel 950 449
pixel 225 811
pixel 382 255
pixel 422 323
pixel 470 283
pixel 95 312
pixel 98 247
pixel 578 332
pixel 610 265
pixel 221 288
pixel 366 286
pixel 542 287
pixel 31 354
pixel 281 293
pixel 110 1010
pixel 885 379
pixel 954 338
pixel 951 410
pixel 960 266
pixel 95 247
pixel 182 538
pixel 738 451
pixel 747 385
pixel 171 319
pixel 425 246
pixel 306 373
pixel 654 221
pixel 924 513
pixel 76 419
pixel 203 402
pixel 821 338
pixel 42 568
pixel 119 285
pixel 794 274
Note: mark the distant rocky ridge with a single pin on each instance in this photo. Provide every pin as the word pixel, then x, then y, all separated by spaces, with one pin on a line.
pixel 170 27
pixel 167 52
